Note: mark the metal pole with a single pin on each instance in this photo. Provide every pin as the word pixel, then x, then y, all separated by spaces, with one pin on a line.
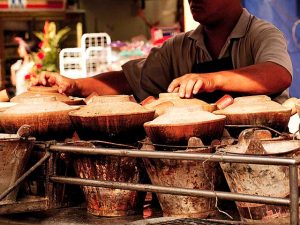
pixel 170 190
pixel 24 176
pixel 294 195
pixel 217 157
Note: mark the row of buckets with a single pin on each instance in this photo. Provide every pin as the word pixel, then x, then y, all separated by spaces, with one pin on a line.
pixel 251 179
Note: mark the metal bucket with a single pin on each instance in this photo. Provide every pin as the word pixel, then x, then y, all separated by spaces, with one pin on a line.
pixel 106 201
pixel 184 174
pixel 263 180
pixel 14 154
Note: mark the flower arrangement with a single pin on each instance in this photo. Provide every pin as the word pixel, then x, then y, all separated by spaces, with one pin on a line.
pixel 27 79
pixel 46 58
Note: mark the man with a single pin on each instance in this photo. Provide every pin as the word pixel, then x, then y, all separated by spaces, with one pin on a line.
pixel 230 52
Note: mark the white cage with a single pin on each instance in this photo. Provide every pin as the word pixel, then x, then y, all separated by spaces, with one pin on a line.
pixel 92 58
pixel 95 40
pixel 71 63
pixel 98 60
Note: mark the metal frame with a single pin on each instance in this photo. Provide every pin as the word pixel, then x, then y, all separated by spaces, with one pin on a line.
pixel 25 175
pixel 50 199
pixel 292 163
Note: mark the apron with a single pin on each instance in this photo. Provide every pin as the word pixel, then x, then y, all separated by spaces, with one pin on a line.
pixel 210 67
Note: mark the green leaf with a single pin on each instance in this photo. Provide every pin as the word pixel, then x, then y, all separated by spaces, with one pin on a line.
pixel 61 35
pixel 52 30
pixel 51 47
pixel 39 35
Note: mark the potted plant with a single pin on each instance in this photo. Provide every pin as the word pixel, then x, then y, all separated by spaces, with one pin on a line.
pixel 47 57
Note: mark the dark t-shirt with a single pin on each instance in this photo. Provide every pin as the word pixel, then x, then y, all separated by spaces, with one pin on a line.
pixel 252 41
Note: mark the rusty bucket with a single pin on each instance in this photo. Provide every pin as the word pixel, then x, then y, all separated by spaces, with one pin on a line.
pixel 263 180
pixel 14 154
pixel 184 174
pixel 107 201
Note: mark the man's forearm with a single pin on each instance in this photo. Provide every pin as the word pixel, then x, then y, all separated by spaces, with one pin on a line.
pixel 110 83
pixel 264 78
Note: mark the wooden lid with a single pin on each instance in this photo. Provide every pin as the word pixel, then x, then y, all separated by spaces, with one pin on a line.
pixel 184 115
pixel 37 104
pixel 177 101
pixel 39 89
pixel 110 108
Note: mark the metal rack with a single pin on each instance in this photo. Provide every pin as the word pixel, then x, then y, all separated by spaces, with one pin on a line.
pixel 292 163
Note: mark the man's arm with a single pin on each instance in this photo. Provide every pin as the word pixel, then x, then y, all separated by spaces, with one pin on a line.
pixel 264 78
pixel 109 83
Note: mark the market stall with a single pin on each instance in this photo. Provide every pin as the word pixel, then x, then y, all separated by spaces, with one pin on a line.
pixel 183 164
pixel 169 128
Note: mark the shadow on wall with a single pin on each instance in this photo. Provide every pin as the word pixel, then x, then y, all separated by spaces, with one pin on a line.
pixel 285 15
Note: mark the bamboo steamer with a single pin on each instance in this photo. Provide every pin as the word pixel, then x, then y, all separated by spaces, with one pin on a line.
pixel 47 117
pixel 112 98
pixel 46 91
pixel 252 98
pixel 298 107
pixel 256 110
pixel 178 124
pixel 167 100
pixel 6 105
pixel 292 104
pixel 115 118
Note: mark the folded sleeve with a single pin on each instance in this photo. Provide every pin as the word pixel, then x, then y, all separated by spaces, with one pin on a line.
pixel 153 75
pixel 270 46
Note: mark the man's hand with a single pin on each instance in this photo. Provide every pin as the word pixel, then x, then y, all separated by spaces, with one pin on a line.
pixel 64 84
pixel 192 83
pixel 259 79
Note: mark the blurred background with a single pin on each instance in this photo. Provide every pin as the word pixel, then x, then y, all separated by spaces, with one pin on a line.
pixel 134 26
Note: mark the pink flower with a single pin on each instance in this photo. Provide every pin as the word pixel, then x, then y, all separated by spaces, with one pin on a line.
pixel 41 55
pixel 41 44
pixel 39 66
pixel 27 76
